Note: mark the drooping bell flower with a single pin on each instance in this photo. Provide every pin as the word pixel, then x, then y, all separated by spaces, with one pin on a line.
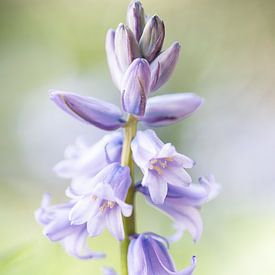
pixel 101 114
pixel 160 164
pixel 182 205
pixel 82 161
pixel 168 109
pixel 58 228
pixel 148 254
pixel 100 202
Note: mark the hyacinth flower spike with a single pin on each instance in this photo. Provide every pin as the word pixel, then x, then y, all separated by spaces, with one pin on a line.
pixel 101 202
pixel 182 205
pixel 58 228
pixel 148 255
pixel 102 188
pixel 160 164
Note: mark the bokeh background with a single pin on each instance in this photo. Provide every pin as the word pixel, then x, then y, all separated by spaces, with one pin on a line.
pixel 228 58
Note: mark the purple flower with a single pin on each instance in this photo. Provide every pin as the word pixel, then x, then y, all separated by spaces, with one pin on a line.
pixel 100 202
pixel 152 38
pixel 57 228
pixel 82 161
pixel 135 87
pixel 168 109
pixel 163 66
pixel 183 205
pixel 136 18
pixel 148 255
pixel 99 113
pixel 160 164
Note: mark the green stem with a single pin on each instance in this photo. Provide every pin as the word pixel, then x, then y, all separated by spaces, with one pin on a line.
pixel 126 160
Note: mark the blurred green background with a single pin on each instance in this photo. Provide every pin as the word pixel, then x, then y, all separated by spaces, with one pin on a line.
pixel 228 58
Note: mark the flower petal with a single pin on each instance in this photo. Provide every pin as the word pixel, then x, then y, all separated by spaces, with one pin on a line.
pixel 157 186
pixel 176 176
pixel 99 113
pixel 114 223
pixel 168 109
pixel 96 225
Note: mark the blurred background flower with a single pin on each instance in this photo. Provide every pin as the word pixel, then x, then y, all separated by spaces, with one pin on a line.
pixel 228 53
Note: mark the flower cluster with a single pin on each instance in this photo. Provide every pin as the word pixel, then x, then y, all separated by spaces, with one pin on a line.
pixel 102 188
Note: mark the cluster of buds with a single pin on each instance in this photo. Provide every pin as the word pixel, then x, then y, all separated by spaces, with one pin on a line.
pixel 102 183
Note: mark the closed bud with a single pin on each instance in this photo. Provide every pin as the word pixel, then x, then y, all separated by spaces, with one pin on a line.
pixel 163 66
pixel 152 38
pixel 135 87
pixel 114 67
pixel 126 47
pixel 136 18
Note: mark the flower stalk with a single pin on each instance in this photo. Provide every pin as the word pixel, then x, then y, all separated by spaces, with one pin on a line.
pixel 126 160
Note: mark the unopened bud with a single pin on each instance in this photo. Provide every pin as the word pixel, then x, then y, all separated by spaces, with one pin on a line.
pixel 152 38
pixel 126 47
pixel 163 66
pixel 135 87
pixel 136 18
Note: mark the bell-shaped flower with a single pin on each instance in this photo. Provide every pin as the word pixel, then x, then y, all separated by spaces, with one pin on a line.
pixel 126 47
pixel 101 114
pixel 182 205
pixel 100 202
pixel 160 164
pixel 168 109
pixel 152 38
pixel 58 228
pixel 114 67
pixel 163 66
pixel 148 254
pixel 82 160
pixel 136 18
pixel 135 87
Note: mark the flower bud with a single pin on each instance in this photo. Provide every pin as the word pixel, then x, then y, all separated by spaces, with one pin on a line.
pixel 101 114
pixel 114 68
pixel 126 47
pixel 135 18
pixel 163 66
pixel 152 38
pixel 135 87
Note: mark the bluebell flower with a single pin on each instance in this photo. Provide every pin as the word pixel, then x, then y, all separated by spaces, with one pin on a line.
pixel 100 202
pixel 58 228
pixel 160 164
pixel 148 254
pixel 85 161
pixel 183 204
